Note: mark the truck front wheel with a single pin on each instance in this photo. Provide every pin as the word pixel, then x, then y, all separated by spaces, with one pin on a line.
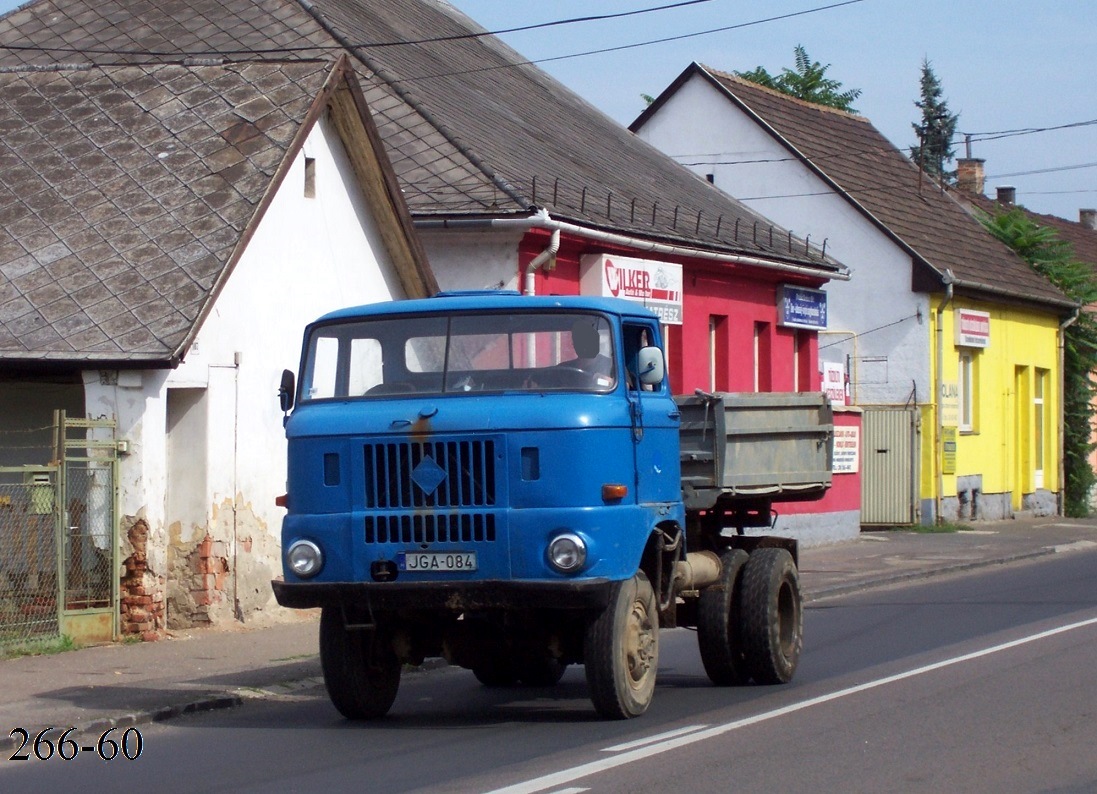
pixel 718 623
pixel 772 616
pixel 361 672
pixel 621 651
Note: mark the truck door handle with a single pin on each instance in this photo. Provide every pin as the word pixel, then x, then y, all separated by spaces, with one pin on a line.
pixel 674 415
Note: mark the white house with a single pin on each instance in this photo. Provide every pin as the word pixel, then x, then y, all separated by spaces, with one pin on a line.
pixel 171 231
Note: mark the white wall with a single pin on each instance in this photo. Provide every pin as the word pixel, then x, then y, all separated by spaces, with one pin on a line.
pixel 483 259
pixel 874 317
pixel 307 257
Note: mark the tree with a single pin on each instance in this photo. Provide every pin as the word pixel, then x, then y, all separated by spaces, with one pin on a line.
pixel 935 133
pixel 1041 247
pixel 808 82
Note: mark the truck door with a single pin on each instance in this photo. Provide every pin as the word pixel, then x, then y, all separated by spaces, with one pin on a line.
pixel 654 423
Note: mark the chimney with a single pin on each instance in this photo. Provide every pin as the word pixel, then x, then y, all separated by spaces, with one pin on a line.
pixel 1088 218
pixel 1007 195
pixel 969 175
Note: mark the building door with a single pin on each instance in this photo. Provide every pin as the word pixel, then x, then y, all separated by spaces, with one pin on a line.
pixel 889 493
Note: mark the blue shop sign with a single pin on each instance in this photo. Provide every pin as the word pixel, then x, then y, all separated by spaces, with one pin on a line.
pixel 801 307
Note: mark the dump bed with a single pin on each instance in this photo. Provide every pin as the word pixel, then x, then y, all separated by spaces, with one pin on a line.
pixel 776 446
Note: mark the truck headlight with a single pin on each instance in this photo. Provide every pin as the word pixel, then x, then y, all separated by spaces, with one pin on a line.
pixel 305 558
pixel 567 552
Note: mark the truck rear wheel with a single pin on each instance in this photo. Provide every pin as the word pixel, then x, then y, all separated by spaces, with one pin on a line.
pixel 772 616
pixel 542 671
pixel 621 651
pixel 496 672
pixel 361 673
pixel 718 623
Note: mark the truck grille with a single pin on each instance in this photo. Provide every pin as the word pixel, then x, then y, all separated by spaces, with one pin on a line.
pixel 431 528
pixel 414 474
pixel 431 492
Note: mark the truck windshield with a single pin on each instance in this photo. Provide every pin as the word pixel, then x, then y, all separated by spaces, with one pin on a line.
pixel 458 353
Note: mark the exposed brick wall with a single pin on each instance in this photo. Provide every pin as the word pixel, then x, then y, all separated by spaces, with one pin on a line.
pixel 142 593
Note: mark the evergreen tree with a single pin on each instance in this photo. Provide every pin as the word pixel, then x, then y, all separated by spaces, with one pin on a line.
pixel 808 82
pixel 1041 247
pixel 935 133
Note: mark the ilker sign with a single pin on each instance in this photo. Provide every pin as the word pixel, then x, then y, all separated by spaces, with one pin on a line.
pixel 657 285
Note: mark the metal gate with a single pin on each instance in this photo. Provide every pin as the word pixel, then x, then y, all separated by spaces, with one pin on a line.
pixel 889 482
pixel 59 540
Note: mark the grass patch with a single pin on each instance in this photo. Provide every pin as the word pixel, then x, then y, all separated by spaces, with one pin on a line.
pixel 46 647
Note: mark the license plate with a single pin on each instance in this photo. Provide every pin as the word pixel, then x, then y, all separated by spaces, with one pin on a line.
pixel 439 561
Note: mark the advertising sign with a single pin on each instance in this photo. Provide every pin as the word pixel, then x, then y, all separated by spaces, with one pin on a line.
pixel 847 448
pixel 972 328
pixel 834 382
pixel 948 450
pixel 656 285
pixel 801 307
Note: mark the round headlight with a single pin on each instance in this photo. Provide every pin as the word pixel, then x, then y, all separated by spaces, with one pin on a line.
pixel 567 552
pixel 305 558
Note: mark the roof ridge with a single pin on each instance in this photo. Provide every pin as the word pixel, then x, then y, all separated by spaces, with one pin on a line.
pixel 732 77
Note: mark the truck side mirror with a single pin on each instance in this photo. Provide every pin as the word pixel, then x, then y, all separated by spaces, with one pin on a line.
pixel 286 391
pixel 649 362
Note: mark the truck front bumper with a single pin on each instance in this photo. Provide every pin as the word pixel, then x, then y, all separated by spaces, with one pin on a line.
pixel 586 594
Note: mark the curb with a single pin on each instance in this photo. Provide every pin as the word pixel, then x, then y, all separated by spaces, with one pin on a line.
pixel 924 573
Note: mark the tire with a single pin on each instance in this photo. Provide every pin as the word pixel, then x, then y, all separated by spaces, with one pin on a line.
pixel 498 672
pixel 772 616
pixel 544 671
pixel 361 673
pixel 719 624
pixel 621 651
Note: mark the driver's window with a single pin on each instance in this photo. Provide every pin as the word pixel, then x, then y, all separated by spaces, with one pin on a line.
pixel 636 338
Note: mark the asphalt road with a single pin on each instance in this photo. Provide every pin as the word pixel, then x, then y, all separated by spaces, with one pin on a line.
pixel 984 682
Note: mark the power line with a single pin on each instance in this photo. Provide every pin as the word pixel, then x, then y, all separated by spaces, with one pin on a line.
pixel 991 136
pixel 454 37
pixel 649 42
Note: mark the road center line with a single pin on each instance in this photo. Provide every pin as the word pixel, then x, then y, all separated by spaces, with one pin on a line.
pixel 617 748
pixel 565 776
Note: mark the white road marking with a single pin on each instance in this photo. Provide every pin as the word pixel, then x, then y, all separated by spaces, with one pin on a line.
pixel 565 776
pixel 659 737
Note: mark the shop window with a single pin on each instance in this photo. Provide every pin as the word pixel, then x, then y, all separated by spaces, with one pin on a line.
pixel 969 394
pixel 718 353
pixel 763 360
pixel 1039 419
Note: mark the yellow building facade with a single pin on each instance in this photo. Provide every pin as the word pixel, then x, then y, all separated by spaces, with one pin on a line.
pixel 991 441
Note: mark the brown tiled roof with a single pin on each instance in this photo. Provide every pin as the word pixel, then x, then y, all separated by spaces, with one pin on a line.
pixel 1081 238
pixel 472 130
pixel 861 164
pixel 125 192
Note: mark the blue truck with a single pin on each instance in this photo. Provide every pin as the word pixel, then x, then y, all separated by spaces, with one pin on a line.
pixel 507 482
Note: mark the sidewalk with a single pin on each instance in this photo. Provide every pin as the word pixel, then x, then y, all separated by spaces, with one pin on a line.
pixel 98 688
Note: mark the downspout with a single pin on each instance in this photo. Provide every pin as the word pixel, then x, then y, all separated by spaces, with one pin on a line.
pixel 546 257
pixel 1063 326
pixel 938 463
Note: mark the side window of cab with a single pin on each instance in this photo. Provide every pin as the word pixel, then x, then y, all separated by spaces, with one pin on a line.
pixel 638 336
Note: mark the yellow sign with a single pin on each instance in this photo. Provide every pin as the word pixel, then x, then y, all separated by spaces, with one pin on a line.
pixel 948 450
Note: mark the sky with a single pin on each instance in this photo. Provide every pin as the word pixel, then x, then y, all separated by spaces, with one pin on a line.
pixel 1005 66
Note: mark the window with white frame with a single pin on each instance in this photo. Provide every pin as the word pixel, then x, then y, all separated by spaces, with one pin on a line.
pixel 968 396
pixel 1039 415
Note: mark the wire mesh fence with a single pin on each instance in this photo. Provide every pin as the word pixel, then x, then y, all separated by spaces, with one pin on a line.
pixel 29 583
pixel 58 535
